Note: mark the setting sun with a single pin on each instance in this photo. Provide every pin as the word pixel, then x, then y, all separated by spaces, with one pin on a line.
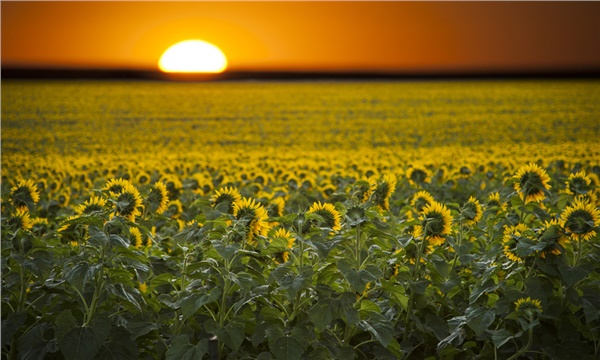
pixel 193 56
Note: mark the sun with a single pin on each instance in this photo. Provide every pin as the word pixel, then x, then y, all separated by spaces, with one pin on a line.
pixel 193 56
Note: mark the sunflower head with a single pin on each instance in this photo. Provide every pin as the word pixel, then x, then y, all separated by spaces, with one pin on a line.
pixel 224 198
pixel 173 185
pixel 531 182
pixel 553 234
pixel 25 194
pixel 494 202
pixel 384 190
pixel 72 233
pixel 284 256
pixel 436 222
pixel 420 200
pixel 512 236
pixel 115 186
pixel 471 212
pixel 93 204
pixel 20 219
pixel 276 207
pixel 331 217
pixel 158 198
pixel 418 176
pixel 255 217
pixel 528 306
pixel 138 239
pixel 580 219
pixel 578 184
pixel 128 202
pixel 363 189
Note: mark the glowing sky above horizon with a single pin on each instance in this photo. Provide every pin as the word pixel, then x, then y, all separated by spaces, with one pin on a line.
pixel 381 36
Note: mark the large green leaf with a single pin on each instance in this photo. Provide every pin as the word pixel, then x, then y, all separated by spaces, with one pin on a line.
pixel 358 280
pixel 191 303
pixel 81 274
pixel 84 342
pixel 479 319
pixel 11 324
pixel 571 275
pixel 35 344
pixel 293 283
pixel 321 314
pixel 379 327
pixel 181 349
pixel 120 346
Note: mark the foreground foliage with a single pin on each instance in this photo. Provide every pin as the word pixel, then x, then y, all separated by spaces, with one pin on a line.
pixel 395 252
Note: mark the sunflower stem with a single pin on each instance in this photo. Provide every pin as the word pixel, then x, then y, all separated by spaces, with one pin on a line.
pixel 420 248
pixel 578 254
pixel 358 247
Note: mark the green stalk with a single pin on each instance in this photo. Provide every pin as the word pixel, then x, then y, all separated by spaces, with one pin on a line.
pixel 358 247
pixel 99 284
pixel 414 277
pixel 578 255
pixel 458 243
pixel 524 349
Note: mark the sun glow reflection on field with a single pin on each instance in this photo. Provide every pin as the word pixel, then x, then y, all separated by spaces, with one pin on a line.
pixel 193 56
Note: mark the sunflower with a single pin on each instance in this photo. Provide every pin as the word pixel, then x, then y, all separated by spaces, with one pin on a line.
pixel 436 221
pixel 532 182
pixel 158 197
pixel 384 191
pixel 553 234
pixel 256 216
pixel 276 207
pixel 128 202
pixel 510 241
pixel 331 216
pixel 363 189
pixel 578 184
pixel 418 176
pixel 72 233
pixel 95 203
pixel 25 193
pixel 135 237
pixel 173 185
pixel 21 219
pixel 115 186
pixel 282 233
pixel 580 220
pixel 420 200
pixel 494 202
pixel 228 196
pixel 471 211
pixel 528 305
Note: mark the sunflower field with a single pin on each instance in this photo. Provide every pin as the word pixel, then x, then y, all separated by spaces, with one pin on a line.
pixel 300 220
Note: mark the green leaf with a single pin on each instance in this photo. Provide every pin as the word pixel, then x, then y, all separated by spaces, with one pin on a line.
pixel 141 329
pixel 81 343
pixel 63 323
pixel 321 314
pixel 97 237
pixel 288 347
pixel 35 344
pixel 501 337
pixel 190 304
pixel 81 274
pixel 478 319
pixel 227 252
pixel 126 294
pixel 119 347
pixel 358 280
pixel 396 292
pixel 232 335
pixel 380 328
pixel 291 282
pixel 572 275
pixel 181 349
pixel 11 324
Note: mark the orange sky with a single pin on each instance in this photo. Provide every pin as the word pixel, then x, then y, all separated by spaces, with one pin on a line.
pixel 380 36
